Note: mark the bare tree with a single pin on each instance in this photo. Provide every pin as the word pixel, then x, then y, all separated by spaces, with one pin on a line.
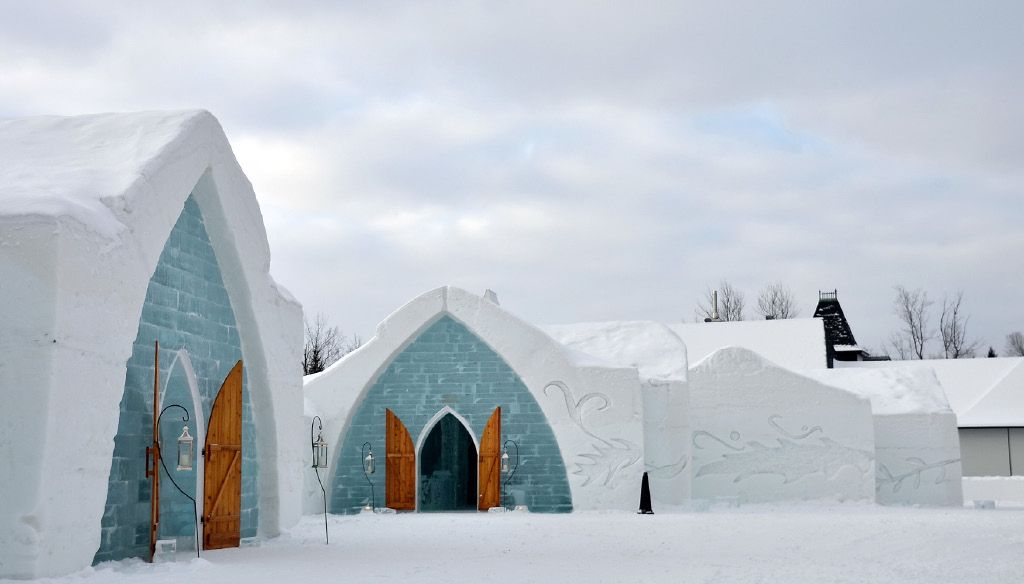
pixel 953 329
pixel 731 303
pixel 324 345
pixel 1015 344
pixel 775 301
pixel 911 308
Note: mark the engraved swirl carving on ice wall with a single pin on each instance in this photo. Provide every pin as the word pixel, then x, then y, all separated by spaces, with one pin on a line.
pixel 795 456
pixel 917 467
pixel 610 456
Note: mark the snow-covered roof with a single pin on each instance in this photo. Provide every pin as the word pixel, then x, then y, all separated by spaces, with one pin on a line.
pixel 982 392
pixel 86 167
pixel 907 390
pixel 797 343
pixel 650 347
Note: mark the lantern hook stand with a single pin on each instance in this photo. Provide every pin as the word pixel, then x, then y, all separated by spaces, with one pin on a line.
pixel 362 455
pixel 160 457
pixel 318 423
pixel 508 479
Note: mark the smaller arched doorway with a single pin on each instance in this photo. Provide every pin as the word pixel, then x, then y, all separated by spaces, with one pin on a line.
pixel 448 468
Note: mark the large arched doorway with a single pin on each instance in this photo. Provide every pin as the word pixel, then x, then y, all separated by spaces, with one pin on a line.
pixel 448 468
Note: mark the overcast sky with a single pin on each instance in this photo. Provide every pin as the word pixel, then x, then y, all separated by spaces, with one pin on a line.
pixel 586 160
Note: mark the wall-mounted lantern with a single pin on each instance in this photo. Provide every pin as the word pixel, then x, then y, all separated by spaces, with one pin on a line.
pixel 186 446
pixel 369 467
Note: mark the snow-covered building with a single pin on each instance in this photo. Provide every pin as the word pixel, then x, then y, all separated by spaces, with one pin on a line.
pixel 116 231
pixel 451 367
pixel 591 406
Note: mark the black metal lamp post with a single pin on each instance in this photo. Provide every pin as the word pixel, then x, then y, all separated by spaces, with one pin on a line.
pixel 369 467
pixel 319 446
pixel 508 469
pixel 186 454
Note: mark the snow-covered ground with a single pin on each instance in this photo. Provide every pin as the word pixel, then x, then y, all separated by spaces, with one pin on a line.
pixel 784 544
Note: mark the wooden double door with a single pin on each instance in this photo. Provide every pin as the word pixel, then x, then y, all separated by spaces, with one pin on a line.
pixel 400 466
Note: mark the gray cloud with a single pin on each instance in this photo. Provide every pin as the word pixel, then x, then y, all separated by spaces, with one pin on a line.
pixel 588 161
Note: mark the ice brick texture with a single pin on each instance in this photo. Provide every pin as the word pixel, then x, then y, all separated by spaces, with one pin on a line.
pixel 186 307
pixel 447 365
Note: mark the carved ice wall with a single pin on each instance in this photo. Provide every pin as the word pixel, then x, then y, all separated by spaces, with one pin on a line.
pixel 763 433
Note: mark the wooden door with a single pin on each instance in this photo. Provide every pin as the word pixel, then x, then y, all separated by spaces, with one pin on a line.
pixel 489 483
pixel 400 468
pixel 222 505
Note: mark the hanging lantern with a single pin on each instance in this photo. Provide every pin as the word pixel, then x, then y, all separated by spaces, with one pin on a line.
pixel 368 463
pixel 185 445
pixel 320 452
pixel 504 460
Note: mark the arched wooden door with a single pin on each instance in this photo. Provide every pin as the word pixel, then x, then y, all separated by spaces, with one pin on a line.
pixel 400 466
pixel 222 505
pixel 489 483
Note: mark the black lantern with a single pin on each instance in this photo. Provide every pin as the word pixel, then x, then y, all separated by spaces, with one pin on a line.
pixel 368 463
pixel 320 451
pixel 185 450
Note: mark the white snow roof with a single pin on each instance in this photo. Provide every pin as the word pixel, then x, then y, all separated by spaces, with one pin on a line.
pixel 650 347
pixel 79 167
pixel 797 343
pixel 907 390
pixel 982 392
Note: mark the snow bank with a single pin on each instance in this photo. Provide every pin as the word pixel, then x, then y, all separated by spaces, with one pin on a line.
pixel 650 347
pixel 837 544
pixel 917 447
pixel 764 433
pixel 795 343
pixel 86 206
pixel 1002 490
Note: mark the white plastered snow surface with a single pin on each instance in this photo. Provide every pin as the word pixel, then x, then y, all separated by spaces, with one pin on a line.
pixel 73 166
pixel 650 347
pixel 907 390
pixel 853 543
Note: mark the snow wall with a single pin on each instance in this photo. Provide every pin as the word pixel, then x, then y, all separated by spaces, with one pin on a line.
pixel 793 343
pixel 660 358
pixel 917 446
pixel 764 433
pixel 593 412
pixel 86 207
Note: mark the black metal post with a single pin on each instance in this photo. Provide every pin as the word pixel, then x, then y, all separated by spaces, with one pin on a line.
pixel 504 485
pixel 160 455
pixel 318 423
pixel 362 459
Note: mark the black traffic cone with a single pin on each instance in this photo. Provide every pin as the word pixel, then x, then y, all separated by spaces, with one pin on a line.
pixel 645 497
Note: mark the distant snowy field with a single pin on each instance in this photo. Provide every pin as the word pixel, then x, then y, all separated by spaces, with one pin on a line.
pixel 778 544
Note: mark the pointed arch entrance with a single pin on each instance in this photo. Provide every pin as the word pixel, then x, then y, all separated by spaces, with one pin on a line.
pixel 447 368
pixel 447 467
